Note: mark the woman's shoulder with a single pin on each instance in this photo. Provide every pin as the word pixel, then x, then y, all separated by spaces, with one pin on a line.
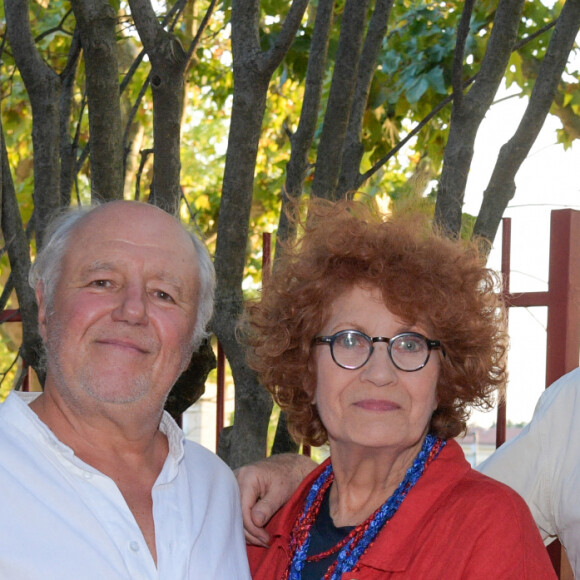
pixel 469 491
pixel 476 486
pixel 467 484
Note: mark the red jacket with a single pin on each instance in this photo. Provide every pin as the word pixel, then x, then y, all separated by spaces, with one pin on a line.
pixel 454 524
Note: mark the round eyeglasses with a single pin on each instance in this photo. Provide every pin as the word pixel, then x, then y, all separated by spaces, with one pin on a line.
pixel 351 349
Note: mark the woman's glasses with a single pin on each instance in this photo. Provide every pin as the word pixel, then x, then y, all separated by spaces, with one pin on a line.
pixel 351 349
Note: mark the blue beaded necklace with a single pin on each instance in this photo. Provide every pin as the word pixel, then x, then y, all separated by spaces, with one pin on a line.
pixel 363 535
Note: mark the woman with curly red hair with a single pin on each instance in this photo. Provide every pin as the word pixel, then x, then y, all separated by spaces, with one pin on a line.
pixel 376 336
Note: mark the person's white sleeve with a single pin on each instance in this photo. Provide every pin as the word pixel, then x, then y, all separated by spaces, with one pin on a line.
pixel 543 461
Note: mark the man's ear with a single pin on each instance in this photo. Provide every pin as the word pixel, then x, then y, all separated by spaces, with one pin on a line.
pixel 42 315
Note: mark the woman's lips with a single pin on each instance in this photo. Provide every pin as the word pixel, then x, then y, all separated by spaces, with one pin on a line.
pixel 379 405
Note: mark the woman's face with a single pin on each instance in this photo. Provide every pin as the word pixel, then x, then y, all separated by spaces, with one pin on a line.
pixel 377 405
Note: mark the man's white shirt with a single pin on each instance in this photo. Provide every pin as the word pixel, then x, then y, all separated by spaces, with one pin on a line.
pixel 62 519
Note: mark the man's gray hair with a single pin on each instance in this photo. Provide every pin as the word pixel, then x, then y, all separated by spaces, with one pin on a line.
pixel 47 267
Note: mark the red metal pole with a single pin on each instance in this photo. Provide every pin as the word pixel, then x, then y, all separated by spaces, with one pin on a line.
pixel 26 380
pixel 563 332
pixel 564 291
pixel 10 316
pixel 13 315
pixel 266 254
pixel 266 261
pixel 506 246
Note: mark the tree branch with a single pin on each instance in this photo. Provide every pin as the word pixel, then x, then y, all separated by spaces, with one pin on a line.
pixel 195 42
pixel 9 286
pixel 353 149
pixel 502 186
pixel 68 146
pixel 462 34
pixel 274 56
pixel 131 117
pixel 465 121
pixel 340 99
pixel 301 141
pixel 58 28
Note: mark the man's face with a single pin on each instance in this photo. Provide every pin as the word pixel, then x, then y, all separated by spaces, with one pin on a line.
pixel 120 326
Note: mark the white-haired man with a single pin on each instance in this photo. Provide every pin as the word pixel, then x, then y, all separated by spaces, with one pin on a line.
pixel 96 481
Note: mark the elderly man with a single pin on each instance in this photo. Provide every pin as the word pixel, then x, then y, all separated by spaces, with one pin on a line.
pixel 96 481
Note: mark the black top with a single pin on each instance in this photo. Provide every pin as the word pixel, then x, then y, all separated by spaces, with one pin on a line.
pixel 323 536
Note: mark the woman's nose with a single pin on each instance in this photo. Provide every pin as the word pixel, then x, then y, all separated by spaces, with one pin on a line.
pixel 380 369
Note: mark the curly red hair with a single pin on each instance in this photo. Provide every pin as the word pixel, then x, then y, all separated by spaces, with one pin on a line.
pixel 425 278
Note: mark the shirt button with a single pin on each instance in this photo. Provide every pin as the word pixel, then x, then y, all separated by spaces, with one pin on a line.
pixel 87 475
pixel 134 546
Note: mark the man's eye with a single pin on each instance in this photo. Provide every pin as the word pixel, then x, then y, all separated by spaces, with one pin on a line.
pixel 164 296
pixel 100 283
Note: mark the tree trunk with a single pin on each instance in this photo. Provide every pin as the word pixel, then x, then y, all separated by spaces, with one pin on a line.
pixel 168 64
pixel 16 242
pixel 43 86
pixel 96 21
pixel 253 402
pixel 252 72
pixel 190 386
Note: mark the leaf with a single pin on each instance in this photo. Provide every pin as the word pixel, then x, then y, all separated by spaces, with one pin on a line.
pixel 436 80
pixel 417 89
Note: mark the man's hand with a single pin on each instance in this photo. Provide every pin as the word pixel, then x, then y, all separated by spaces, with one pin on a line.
pixel 265 486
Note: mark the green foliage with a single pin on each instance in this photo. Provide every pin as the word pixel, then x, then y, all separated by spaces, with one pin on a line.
pixel 53 32
pixel 413 76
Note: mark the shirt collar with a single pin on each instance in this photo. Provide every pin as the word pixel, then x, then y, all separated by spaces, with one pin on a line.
pixel 19 401
pixel 175 440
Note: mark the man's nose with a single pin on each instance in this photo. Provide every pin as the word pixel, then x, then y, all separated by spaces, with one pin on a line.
pixel 132 306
